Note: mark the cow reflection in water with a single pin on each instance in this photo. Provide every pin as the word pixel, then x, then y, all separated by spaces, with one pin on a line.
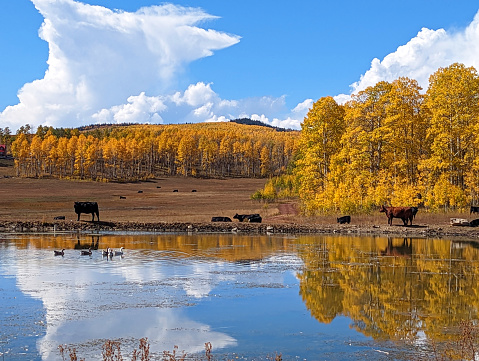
pixel 403 250
pixel 95 242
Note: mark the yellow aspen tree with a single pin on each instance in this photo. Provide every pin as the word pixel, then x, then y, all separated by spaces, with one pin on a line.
pixel 62 157
pixel 91 157
pixel 71 149
pixel 226 155
pixel 407 146
pixel 364 148
pixel 452 100
pixel 187 155
pixel 49 150
pixel 266 160
pixel 21 153
pixel 321 133
pixel 80 156
pixel 36 155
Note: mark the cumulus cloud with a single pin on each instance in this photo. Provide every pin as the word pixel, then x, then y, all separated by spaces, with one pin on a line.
pixel 108 66
pixel 423 55
pixel 99 59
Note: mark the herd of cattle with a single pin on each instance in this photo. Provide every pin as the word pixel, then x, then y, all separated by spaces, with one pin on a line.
pixel 406 214
pixel 251 218
pixel 92 208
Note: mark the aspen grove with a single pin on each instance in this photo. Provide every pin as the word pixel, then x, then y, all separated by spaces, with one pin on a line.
pixel 139 152
pixel 390 144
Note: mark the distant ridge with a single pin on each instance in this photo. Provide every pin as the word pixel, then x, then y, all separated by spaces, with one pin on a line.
pixel 245 121
pixel 249 121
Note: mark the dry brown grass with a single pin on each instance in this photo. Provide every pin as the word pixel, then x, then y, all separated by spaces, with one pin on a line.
pixel 24 199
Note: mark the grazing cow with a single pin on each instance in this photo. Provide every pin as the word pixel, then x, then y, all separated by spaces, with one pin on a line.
pixel 344 219
pixel 255 218
pixel 175 190
pixel 242 217
pixel 59 217
pixel 404 250
pixel 193 190
pixel 140 191
pixel 405 213
pixel 221 219
pixel 87 207
pixel 122 197
pixel 474 210
pixel 158 187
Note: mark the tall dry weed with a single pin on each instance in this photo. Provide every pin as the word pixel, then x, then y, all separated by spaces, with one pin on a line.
pixel 174 355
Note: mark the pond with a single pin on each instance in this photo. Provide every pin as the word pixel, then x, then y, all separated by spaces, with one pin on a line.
pixel 252 297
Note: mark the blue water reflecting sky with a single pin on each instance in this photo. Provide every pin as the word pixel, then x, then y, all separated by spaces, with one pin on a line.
pixel 248 308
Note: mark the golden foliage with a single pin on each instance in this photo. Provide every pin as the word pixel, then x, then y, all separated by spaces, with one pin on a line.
pixel 137 152
pixel 390 144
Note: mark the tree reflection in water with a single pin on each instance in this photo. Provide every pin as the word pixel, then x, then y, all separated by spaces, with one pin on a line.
pixel 402 289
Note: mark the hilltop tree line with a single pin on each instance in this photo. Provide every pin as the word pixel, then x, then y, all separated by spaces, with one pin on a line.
pixel 135 152
pixel 390 144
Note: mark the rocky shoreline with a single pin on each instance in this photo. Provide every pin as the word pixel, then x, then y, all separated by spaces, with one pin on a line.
pixel 434 231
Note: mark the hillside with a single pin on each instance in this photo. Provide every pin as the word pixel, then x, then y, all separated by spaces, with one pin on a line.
pixel 138 152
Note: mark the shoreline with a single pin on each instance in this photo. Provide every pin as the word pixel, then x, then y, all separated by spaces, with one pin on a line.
pixel 418 231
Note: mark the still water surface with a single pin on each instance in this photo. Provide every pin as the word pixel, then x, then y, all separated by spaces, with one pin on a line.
pixel 304 297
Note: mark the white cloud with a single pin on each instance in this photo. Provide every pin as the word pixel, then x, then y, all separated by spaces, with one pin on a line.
pixel 303 107
pixel 424 54
pixel 139 109
pixel 199 103
pixel 98 59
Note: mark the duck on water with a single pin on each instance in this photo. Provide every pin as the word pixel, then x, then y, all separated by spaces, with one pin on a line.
pixel 86 253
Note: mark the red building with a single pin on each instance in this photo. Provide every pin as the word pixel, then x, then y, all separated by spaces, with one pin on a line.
pixel 3 150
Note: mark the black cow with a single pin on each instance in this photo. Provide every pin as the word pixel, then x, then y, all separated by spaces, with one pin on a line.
pixel 414 211
pixel 344 219
pixel 474 223
pixel 221 219
pixel 255 218
pixel 87 207
pixel 59 217
pixel 242 217
pixel 474 210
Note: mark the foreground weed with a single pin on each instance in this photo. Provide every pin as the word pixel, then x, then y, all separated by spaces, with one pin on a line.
pixel 172 356
pixel 143 352
pixel 208 349
pixel 72 353
pixel 111 351
pixel 466 348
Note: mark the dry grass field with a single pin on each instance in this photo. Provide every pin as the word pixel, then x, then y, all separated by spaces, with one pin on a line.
pixel 25 199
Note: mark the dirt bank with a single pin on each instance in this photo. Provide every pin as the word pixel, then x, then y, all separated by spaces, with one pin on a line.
pixel 434 231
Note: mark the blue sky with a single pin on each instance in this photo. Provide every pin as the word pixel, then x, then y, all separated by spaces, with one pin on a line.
pixel 192 61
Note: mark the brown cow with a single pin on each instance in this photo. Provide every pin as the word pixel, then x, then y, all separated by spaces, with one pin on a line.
pixel 405 213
